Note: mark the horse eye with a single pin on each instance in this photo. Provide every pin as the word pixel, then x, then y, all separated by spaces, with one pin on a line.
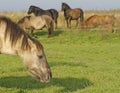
pixel 40 56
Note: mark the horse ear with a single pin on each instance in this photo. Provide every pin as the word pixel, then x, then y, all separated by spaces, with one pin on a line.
pixel 63 3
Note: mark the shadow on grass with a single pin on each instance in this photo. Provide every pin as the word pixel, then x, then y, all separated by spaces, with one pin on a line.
pixel 68 84
pixel 77 64
pixel 44 32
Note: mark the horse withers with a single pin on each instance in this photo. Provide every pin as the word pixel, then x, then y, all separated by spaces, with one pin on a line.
pixel 31 23
pixel 99 20
pixel 53 13
pixel 14 40
pixel 72 14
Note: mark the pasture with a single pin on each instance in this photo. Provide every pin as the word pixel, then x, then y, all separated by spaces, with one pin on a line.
pixel 81 61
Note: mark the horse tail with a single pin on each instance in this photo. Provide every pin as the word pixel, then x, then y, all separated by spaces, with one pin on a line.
pixel 81 16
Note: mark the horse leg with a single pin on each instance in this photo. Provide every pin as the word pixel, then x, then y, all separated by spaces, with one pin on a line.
pixel 67 23
pixel 50 28
pixel 49 32
pixel 110 28
pixel 76 22
pixel 70 23
pixel 55 24
pixel 81 18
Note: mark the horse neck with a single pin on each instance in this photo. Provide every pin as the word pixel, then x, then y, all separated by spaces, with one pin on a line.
pixel 44 12
pixel 41 10
pixel 67 8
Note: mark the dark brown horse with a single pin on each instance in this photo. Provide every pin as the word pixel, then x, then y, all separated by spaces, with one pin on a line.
pixel 38 12
pixel 14 40
pixel 99 20
pixel 30 23
pixel 72 14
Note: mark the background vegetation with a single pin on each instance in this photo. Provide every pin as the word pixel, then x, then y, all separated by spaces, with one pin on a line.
pixel 81 61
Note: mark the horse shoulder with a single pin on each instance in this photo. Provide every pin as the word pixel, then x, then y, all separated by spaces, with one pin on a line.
pixel 92 20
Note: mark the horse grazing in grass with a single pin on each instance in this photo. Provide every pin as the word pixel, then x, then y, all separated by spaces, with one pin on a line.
pixel 50 12
pixel 97 20
pixel 14 40
pixel 30 23
pixel 72 14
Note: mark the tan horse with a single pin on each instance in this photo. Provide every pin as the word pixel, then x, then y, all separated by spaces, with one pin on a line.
pixel 96 21
pixel 31 23
pixel 13 40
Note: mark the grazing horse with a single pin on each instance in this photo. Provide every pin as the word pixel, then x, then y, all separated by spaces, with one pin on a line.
pixel 38 11
pixel 97 20
pixel 72 14
pixel 31 23
pixel 14 40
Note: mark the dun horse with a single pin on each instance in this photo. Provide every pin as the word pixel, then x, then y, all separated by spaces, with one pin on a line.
pixel 50 12
pixel 31 23
pixel 96 20
pixel 72 14
pixel 13 40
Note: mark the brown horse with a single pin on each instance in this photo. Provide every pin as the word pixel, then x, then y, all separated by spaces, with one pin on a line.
pixel 72 14
pixel 14 40
pixel 96 20
pixel 31 23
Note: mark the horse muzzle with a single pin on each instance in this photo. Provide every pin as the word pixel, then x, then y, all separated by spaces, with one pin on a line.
pixel 46 78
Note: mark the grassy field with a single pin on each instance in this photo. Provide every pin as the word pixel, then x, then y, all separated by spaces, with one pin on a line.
pixel 81 62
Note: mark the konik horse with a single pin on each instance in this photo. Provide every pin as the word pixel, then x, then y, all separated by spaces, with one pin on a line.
pixel 72 14
pixel 14 40
pixel 99 20
pixel 31 23
pixel 38 12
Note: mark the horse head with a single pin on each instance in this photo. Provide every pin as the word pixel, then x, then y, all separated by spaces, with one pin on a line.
pixel 14 40
pixel 35 61
pixel 65 6
pixel 33 9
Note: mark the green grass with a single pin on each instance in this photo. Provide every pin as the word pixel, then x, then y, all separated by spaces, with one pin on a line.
pixel 81 62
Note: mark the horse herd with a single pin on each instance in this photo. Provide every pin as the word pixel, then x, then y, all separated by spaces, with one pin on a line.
pixel 46 18
pixel 14 39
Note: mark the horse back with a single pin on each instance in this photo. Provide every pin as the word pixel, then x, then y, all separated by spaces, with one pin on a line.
pixel 54 13
pixel 39 22
pixel 97 20
pixel 74 13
